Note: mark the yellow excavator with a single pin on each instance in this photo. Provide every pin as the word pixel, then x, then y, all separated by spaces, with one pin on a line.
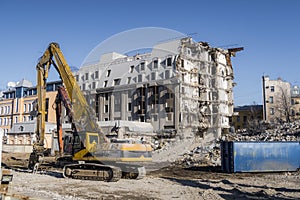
pixel 86 153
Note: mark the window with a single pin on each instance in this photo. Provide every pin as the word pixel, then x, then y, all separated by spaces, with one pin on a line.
pixel 142 118
pixel 142 66
pixel 140 78
pixel 182 63
pixel 169 117
pixel 108 73
pixel 94 85
pixel 188 51
pixel 131 68
pixel 105 84
pixel 83 86
pixel 96 74
pixel 155 64
pixel 244 118
pixel 77 78
pixel 106 108
pixel 129 107
pixel 128 80
pixel 272 111
pixel 86 76
pixel 271 99
pixel 117 102
pixel 24 107
pixel 272 88
pixel 117 81
pixel 167 74
pixel 293 112
pixel 169 61
pixel 153 76
pixel 50 87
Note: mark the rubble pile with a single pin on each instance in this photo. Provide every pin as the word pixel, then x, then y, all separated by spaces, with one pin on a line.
pixel 202 155
pixel 211 154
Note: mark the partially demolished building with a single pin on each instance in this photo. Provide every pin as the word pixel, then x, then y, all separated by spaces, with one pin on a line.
pixel 181 87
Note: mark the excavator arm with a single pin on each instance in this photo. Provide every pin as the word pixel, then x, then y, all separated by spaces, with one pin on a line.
pixel 93 146
pixel 83 118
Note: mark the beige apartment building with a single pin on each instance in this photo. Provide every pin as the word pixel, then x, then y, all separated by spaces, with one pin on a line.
pixel 295 101
pixel 276 100
pixel 17 116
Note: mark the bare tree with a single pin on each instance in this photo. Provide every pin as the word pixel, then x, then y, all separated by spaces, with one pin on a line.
pixel 254 122
pixel 284 105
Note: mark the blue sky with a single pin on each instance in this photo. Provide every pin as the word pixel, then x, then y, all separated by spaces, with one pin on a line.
pixel 268 30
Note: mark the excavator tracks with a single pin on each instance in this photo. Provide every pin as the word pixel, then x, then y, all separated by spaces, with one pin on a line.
pixel 90 171
pixel 131 171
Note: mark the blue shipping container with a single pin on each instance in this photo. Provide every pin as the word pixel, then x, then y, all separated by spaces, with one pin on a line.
pixel 260 156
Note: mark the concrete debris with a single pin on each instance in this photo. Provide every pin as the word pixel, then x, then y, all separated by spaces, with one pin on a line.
pixel 210 154
pixel 203 155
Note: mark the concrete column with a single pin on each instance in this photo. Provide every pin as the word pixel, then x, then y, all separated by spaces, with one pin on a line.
pixel 112 107
pixel 161 105
pixel 176 106
pixel 101 108
pixel 124 103
pixel 146 105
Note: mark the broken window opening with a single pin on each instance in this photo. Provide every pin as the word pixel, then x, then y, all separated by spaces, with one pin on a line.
pixel 271 99
pixel 272 111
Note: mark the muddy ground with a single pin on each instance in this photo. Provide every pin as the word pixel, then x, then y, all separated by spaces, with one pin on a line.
pixel 172 182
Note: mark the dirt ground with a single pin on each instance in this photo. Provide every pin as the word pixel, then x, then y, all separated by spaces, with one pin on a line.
pixel 172 182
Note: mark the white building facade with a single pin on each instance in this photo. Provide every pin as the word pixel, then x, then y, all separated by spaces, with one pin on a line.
pixel 181 86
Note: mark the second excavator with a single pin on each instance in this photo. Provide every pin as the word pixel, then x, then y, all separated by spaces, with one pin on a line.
pixel 85 152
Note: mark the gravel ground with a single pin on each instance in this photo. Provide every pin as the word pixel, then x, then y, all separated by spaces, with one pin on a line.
pixel 164 180
pixel 174 182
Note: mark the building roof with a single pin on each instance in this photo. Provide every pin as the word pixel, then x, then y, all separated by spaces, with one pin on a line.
pixel 124 70
pixel 248 107
pixel 24 83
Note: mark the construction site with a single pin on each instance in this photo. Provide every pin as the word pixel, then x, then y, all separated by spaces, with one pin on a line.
pixel 147 126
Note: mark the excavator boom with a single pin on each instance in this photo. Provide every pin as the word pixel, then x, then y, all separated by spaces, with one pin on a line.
pixel 87 142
